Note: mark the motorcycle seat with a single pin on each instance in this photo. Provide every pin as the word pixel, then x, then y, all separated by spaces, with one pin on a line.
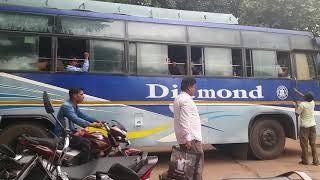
pixel 49 142
pixel 101 165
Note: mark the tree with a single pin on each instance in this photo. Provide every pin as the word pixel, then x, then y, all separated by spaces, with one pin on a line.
pixel 286 14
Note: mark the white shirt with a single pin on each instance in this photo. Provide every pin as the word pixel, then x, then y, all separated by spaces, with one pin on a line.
pixel 85 67
pixel 306 114
pixel 187 123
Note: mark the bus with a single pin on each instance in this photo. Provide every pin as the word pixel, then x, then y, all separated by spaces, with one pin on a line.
pixel 245 75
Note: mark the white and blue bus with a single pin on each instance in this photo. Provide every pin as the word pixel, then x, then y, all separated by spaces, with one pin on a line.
pixel 245 75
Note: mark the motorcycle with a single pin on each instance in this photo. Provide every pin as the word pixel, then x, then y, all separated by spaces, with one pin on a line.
pixel 34 167
pixel 105 141
pixel 120 168
pixel 137 167
pixel 109 139
pixel 8 163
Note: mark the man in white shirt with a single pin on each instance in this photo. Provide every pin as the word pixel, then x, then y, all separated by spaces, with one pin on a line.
pixel 74 64
pixel 187 123
pixel 307 128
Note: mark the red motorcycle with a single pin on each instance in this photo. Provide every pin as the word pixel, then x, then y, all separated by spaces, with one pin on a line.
pixel 101 145
pixel 107 142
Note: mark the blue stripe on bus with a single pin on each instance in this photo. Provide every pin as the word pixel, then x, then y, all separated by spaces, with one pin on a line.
pixel 220 116
pixel 5 95
pixel 134 88
pixel 144 19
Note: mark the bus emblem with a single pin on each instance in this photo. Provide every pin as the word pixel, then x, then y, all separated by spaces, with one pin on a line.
pixel 282 92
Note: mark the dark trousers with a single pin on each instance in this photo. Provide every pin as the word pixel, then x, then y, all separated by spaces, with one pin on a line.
pixel 196 147
pixel 308 134
pixel 83 145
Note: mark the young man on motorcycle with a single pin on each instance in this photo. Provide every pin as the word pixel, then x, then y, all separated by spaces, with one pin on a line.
pixel 70 110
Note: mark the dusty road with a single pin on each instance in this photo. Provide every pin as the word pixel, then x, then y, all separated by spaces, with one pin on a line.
pixel 219 166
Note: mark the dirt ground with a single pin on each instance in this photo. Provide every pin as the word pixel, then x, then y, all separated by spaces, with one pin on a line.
pixel 220 166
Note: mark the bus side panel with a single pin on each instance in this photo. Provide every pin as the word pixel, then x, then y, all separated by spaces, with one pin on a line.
pixel 226 106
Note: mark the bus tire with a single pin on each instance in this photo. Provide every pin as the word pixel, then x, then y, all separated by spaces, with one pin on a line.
pixel 11 133
pixel 267 139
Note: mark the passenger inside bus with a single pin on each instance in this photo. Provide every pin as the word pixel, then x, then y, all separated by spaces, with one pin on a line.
pixel 196 61
pixel 74 64
pixel 173 69
pixel 44 62
pixel 284 72
pixel 197 66
pixel 237 62
pixel 70 55
pixel 177 60
pixel 283 64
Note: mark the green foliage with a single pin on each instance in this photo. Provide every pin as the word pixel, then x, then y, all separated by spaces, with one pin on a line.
pixel 285 14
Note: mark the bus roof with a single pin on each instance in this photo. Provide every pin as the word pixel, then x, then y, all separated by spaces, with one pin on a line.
pixel 127 9
pixel 79 13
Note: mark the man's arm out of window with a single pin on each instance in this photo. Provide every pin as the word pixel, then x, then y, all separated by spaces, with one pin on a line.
pixel 85 66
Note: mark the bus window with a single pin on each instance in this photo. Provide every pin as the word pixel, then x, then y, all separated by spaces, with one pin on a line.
pixel 106 56
pixel 132 58
pixel 305 66
pixel 249 67
pixel 45 61
pixel 18 52
pixel 237 62
pixel 318 64
pixel 159 59
pixel 69 49
pixel 90 27
pixel 223 62
pixel 254 39
pixel 26 22
pixel 177 60
pixel 283 60
pixel 261 63
pixel 214 36
pixel 152 59
pixel 197 61
pixel 158 32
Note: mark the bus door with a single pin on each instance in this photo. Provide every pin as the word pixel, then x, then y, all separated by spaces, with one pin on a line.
pixel 306 77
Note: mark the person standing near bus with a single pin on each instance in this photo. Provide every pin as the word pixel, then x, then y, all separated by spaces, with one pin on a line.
pixel 187 123
pixel 305 110
pixel 74 64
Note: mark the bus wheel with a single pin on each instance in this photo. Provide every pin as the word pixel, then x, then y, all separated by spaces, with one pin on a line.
pixel 267 139
pixel 11 133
